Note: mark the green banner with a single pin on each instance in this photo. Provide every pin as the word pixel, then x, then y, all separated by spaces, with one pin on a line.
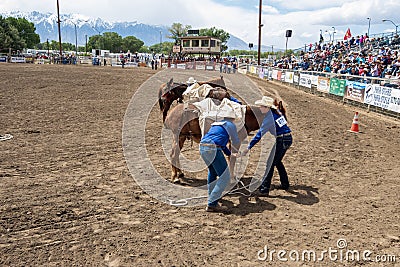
pixel 337 87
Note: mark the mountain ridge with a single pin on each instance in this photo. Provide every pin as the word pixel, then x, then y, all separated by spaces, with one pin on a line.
pixel 46 27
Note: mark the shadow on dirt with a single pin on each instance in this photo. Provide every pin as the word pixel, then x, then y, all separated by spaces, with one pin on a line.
pixel 301 194
pixel 248 205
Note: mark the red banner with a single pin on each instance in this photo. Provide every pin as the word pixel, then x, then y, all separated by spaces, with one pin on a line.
pixel 347 35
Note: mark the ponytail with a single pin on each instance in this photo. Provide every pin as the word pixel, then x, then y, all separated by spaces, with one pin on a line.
pixel 280 107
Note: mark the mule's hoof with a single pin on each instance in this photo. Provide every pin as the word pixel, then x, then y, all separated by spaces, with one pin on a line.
pixel 176 181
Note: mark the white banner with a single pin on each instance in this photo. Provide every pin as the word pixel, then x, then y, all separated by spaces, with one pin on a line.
pixel 314 80
pixel 17 60
pixel 253 69
pixel 242 71
pixel 305 80
pixel 275 74
pixel 296 78
pixel 289 77
pixel 200 66
pixel 181 66
pixel 323 84
pixel 261 73
pixel 383 97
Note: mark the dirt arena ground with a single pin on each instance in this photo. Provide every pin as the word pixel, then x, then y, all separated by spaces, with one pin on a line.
pixel 67 197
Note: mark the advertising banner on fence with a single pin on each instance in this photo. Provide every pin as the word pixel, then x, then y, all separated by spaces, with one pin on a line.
pixel 305 80
pixel 3 59
pixel 181 66
pixel 242 71
pixel 314 80
pixel 210 66
pixel 190 65
pixel 296 79
pixel 337 87
pixel 253 69
pixel 261 73
pixel 275 74
pixel 289 77
pixel 279 75
pixel 355 91
pixel 200 66
pixel 383 97
pixel 17 60
pixel 323 84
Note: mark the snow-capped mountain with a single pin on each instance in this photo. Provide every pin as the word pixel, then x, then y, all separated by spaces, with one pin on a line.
pixel 46 27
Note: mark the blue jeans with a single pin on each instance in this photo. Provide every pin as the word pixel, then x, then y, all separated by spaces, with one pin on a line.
pixel 217 166
pixel 282 145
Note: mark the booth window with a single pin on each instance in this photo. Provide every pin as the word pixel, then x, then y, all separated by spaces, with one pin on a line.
pixel 195 43
pixel 204 43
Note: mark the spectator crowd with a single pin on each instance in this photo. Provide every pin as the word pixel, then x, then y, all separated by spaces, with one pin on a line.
pixel 358 56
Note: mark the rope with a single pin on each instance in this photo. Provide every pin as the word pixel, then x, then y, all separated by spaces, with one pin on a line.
pixel 184 201
pixel 5 137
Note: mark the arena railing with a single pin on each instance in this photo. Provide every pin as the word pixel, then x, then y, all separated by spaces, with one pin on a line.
pixel 381 95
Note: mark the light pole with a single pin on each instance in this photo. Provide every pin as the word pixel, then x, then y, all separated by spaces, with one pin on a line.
pixel 369 25
pixel 85 44
pixel 330 36
pixel 321 38
pixel 392 23
pixel 160 41
pixel 48 49
pixel 59 28
pixel 333 34
pixel 76 41
pixel 259 33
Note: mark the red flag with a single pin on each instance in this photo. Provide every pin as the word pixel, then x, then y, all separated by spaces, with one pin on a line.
pixel 347 35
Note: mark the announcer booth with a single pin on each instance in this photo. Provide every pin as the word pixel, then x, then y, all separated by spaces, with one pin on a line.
pixel 200 45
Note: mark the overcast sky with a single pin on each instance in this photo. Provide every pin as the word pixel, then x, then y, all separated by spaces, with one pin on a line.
pixel 238 17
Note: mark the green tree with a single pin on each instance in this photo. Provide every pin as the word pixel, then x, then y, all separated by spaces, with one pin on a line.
pixel 132 44
pixel 112 41
pixel 178 30
pixel 26 31
pixel 9 36
pixel 217 33
pixel 167 48
pixel 94 42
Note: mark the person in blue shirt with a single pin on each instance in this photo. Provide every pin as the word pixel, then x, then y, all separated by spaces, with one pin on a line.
pixel 231 98
pixel 274 122
pixel 212 150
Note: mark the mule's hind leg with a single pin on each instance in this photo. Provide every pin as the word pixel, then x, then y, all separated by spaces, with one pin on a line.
pixel 182 139
pixel 175 163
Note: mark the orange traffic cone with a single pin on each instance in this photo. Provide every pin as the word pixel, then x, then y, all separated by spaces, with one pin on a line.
pixel 354 126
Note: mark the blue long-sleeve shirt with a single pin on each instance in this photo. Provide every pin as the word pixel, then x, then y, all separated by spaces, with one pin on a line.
pixel 231 98
pixel 274 123
pixel 220 133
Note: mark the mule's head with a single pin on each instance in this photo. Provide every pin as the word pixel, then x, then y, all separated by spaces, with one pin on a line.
pixel 165 92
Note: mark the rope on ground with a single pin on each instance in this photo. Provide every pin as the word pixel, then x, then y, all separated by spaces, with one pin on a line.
pixel 184 201
pixel 6 137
